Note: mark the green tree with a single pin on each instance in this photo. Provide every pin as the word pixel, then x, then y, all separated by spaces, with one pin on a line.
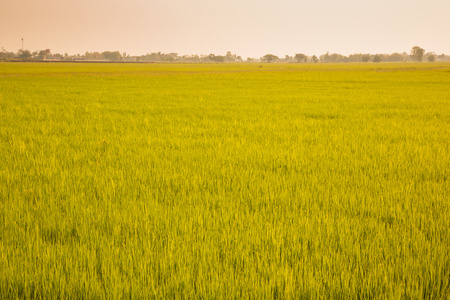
pixel 325 57
pixel 396 57
pixel 315 59
pixel 43 54
pixel 377 58
pixel 417 53
pixel 5 55
pixel 431 57
pixel 24 54
pixel 301 57
pixel 230 57
pixel 365 58
pixel 113 56
pixel 269 58
pixel 216 58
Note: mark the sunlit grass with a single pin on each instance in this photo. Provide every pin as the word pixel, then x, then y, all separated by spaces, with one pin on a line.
pixel 224 181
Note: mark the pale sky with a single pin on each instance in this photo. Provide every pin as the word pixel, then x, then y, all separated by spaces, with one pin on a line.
pixel 249 28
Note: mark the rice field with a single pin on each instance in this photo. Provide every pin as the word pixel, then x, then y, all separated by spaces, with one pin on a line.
pixel 225 181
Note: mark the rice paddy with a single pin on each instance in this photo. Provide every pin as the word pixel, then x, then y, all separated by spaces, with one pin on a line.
pixel 225 181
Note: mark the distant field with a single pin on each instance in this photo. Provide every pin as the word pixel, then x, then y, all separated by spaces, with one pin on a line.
pixel 225 180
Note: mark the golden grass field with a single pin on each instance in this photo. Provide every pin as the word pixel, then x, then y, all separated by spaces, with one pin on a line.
pixel 225 181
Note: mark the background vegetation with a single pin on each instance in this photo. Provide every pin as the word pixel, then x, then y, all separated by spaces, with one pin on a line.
pixel 416 54
pixel 223 181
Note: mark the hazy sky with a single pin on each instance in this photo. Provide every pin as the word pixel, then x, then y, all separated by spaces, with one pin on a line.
pixel 250 28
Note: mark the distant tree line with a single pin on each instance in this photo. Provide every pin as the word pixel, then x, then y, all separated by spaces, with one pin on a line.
pixel 417 54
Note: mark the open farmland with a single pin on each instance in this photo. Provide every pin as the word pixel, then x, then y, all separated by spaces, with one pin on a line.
pixel 225 180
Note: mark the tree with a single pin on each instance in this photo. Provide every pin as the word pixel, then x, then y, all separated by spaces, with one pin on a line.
pixel 315 59
pixel 216 58
pixel 93 55
pixel 169 57
pixel 301 57
pixel 365 58
pixel 269 58
pixel 357 57
pixel 24 54
pixel 113 56
pixel 43 54
pixel 377 58
pixel 335 58
pixel 230 57
pixel 5 55
pixel 417 53
pixel 325 57
pixel 431 56
pixel 395 57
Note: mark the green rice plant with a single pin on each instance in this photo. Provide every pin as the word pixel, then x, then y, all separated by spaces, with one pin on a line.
pixel 224 181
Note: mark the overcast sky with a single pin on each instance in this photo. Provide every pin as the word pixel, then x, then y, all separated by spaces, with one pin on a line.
pixel 250 28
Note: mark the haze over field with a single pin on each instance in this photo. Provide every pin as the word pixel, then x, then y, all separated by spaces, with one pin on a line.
pixel 246 27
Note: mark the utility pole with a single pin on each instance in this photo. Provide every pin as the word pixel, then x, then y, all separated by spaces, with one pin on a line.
pixel 22 44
